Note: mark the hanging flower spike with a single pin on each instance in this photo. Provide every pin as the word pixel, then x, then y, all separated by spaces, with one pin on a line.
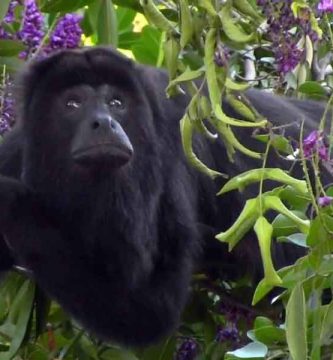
pixel 32 31
pixel 325 5
pixel 66 35
pixel 315 142
pixel 325 201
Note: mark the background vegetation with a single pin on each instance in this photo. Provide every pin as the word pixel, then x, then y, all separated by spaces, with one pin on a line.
pixel 280 45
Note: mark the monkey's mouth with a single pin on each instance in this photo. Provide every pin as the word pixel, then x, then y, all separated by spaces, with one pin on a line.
pixel 108 154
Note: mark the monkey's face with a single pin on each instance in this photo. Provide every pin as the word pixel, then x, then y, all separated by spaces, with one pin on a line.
pixel 97 117
pixel 85 111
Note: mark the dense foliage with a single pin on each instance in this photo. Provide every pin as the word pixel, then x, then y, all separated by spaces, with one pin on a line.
pixel 281 45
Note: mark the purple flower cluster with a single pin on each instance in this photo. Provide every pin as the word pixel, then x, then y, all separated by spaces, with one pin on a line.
pixel 281 20
pixel 313 143
pixel 66 35
pixel 325 5
pixel 32 31
pixel 7 117
pixel 9 18
pixel 325 201
pixel 228 333
pixel 188 350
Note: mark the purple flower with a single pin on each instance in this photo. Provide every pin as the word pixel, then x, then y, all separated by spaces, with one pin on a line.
pixel 228 333
pixel 325 5
pixel 66 35
pixel 188 350
pixel 8 19
pixel 221 56
pixel 7 118
pixel 32 31
pixel 280 21
pixel 325 201
pixel 313 143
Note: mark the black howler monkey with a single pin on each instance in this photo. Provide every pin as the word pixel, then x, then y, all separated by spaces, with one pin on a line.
pixel 97 199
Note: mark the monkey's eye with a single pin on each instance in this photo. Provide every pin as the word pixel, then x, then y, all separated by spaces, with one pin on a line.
pixel 73 104
pixel 116 103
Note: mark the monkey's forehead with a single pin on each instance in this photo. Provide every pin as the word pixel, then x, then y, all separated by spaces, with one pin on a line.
pixel 93 66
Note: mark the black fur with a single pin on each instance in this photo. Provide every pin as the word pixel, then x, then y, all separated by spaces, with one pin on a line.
pixel 116 248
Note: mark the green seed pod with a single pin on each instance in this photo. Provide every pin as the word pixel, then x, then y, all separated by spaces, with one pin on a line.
pixel 264 231
pixel 252 176
pixel 186 23
pixel 186 130
pixel 171 51
pixel 242 225
pixel 155 17
pixel 232 31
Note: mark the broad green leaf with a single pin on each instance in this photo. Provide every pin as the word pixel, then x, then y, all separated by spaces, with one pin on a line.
pixel 187 75
pixel 63 6
pixel 107 28
pixel 20 313
pixel 11 47
pixel 296 324
pixel 13 64
pixel 327 324
pixel 283 226
pixel 312 88
pixel 298 239
pixel 4 5
pixel 147 49
pixel 253 350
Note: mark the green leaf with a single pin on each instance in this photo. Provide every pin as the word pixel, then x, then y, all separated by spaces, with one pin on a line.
pixel 13 64
pixel 283 226
pixel 107 28
pixel 20 313
pixel 298 239
pixel 327 325
pixel 253 350
pixel 125 18
pixel 147 49
pixel 312 88
pixel 11 47
pixel 296 324
pixel 4 5
pixel 187 75
pixel 63 6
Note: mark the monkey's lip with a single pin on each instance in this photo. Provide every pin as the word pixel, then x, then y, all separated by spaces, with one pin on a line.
pixel 115 155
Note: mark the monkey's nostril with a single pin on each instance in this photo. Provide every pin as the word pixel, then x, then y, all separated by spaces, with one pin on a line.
pixel 95 125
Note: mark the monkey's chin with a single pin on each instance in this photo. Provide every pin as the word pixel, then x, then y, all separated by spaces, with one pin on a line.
pixel 110 156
